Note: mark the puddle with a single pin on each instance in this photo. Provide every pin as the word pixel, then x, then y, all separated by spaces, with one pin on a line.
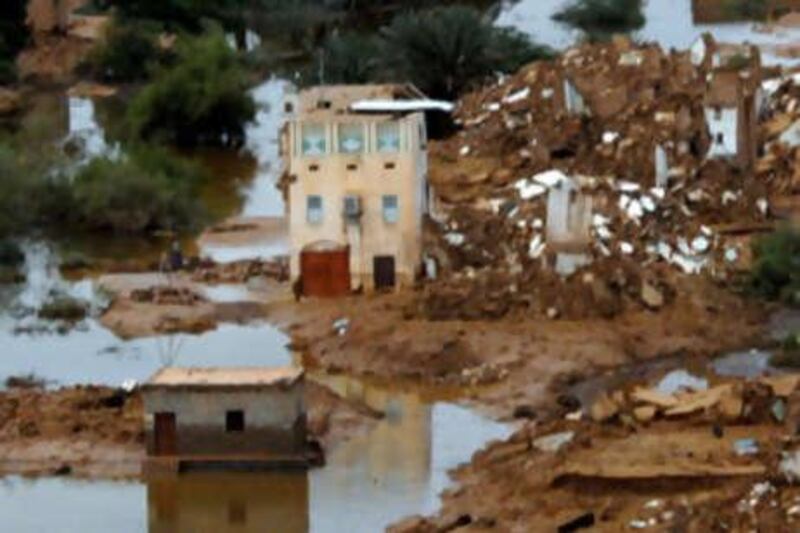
pixel 744 364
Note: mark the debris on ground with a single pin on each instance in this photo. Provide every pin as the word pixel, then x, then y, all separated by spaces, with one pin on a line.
pixel 595 178
pixel 688 463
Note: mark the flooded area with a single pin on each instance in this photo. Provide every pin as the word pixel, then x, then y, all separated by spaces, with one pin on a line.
pixel 397 468
pixel 669 22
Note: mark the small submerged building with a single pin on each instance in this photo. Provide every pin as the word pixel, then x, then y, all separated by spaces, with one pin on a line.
pixel 197 418
pixel 356 186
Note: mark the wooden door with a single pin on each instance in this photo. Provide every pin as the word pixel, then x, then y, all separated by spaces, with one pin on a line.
pixel 384 272
pixel 165 434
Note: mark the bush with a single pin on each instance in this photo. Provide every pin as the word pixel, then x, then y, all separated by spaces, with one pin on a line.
pixel 202 99
pixel 64 308
pixel 445 50
pixel 776 270
pixel 601 18
pixel 128 53
pixel 11 254
pixel 349 59
pixel 146 191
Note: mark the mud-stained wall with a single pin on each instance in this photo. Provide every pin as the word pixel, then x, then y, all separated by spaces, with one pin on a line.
pixel 275 420
pixel 369 175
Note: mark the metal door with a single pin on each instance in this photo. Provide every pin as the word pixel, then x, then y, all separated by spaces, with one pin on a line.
pixel 384 272
pixel 165 434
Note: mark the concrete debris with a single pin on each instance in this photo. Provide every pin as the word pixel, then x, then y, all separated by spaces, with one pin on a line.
pixel 645 188
pixel 341 325
pixel 789 466
pixel 554 442
pixel 746 446
pixel 679 380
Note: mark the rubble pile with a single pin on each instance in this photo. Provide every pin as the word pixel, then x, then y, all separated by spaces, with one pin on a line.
pixel 241 271
pixel 167 295
pixel 593 165
pixel 688 454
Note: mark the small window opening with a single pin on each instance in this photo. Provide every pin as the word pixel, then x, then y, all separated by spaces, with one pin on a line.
pixel 234 421
pixel 389 166
pixel 720 138
pixel 352 167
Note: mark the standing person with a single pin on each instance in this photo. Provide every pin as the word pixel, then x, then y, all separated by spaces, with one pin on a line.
pixel 175 257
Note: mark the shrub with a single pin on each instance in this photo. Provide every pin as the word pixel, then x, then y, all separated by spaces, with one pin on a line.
pixel 776 269
pixel 146 191
pixel 11 254
pixel 202 99
pixel 600 18
pixel 445 50
pixel 128 53
pixel 350 58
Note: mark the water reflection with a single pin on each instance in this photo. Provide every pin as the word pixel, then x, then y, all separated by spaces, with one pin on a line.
pixel 669 22
pixel 223 503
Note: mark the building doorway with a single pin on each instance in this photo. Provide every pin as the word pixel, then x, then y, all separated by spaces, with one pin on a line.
pixel 383 270
pixel 165 434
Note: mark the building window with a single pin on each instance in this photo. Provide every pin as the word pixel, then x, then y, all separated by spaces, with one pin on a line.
pixel 314 141
pixel 388 137
pixel 234 421
pixel 351 138
pixel 314 209
pixel 423 136
pixel 390 210
pixel 720 138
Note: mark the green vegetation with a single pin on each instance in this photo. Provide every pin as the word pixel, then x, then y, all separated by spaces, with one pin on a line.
pixel 178 14
pixel 202 99
pixel 600 19
pixel 64 308
pixel 147 190
pixel 776 271
pixel 351 58
pixel 789 354
pixel 748 9
pixel 13 36
pixel 128 53
pixel 444 51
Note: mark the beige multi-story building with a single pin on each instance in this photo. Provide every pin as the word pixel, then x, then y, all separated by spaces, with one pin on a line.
pixel 356 185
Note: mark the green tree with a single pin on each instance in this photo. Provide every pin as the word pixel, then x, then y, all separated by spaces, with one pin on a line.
pixel 202 99
pixel 349 58
pixel 445 50
pixel 776 269
pixel 128 52
pixel 602 18
pixel 149 189
pixel 13 36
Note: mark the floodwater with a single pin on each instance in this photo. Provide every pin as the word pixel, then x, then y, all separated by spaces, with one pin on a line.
pixel 394 470
pixel 382 475
pixel 669 22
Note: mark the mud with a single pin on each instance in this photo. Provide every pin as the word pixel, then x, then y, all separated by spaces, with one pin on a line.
pixel 684 471
pixel 98 432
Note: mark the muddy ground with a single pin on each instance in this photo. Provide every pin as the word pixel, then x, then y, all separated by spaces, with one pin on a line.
pixel 98 432
pixel 520 359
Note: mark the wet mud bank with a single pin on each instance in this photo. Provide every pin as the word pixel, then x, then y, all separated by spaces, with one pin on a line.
pixel 98 432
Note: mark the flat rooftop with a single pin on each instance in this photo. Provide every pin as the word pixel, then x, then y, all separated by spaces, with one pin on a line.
pixel 231 377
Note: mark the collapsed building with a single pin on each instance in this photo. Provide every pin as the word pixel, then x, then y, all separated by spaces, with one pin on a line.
pixel 657 165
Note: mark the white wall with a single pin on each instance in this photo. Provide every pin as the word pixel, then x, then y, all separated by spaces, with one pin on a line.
pixel 727 125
